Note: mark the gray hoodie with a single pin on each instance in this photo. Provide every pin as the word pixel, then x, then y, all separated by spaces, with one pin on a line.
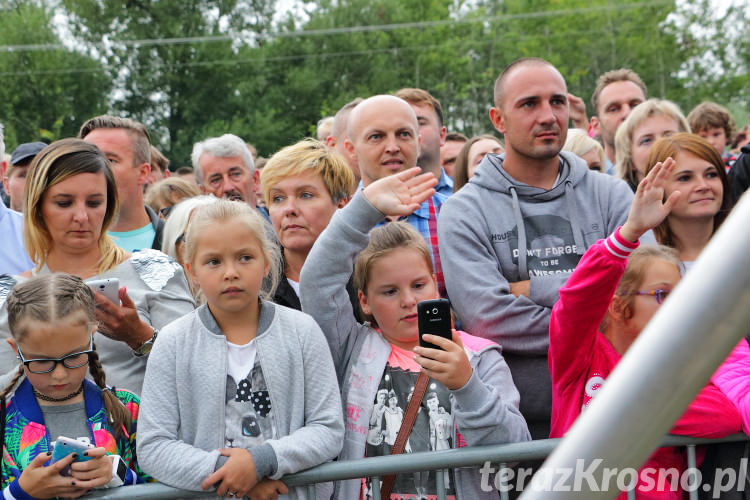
pixel 480 231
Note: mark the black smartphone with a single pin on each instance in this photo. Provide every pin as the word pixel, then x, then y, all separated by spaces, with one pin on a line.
pixel 434 317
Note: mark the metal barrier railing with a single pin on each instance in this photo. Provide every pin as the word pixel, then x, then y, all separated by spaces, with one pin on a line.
pixel 376 467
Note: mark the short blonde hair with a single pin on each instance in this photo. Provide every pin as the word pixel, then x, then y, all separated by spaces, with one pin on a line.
pixel 242 213
pixel 169 191
pixel 306 156
pixel 57 162
pixel 624 168
pixel 178 219
pixel 579 143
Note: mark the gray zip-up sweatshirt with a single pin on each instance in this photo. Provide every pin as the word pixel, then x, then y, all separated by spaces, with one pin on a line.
pixel 485 409
pixel 181 422
pixel 496 231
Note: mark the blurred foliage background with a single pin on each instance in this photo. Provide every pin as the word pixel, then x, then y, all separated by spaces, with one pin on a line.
pixel 268 71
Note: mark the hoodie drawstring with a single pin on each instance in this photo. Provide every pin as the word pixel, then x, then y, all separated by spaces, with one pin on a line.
pixel 570 199
pixel 523 268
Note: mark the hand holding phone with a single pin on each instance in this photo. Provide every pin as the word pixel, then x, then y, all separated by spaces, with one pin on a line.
pixel 65 446
pixel 109 287
pixel 446 363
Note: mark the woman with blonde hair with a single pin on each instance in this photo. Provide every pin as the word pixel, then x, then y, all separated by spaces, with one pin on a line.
pixel 583 146
pixel 166 193
pixel 70 201
pixel 647 123
pixel 303 184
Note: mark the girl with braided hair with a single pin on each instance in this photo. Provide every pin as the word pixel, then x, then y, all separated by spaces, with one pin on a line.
pixel 52 322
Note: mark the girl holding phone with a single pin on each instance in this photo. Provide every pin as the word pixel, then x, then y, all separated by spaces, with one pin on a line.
pixel 393 272
pixel 52 322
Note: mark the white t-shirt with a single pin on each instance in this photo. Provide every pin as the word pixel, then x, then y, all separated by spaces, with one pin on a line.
pixel 240 359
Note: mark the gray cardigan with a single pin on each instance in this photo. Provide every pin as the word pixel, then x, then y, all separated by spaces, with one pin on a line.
pixel 181 422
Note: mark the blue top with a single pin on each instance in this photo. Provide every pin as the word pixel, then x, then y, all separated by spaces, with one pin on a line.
pixel 13 256
pixel 445 184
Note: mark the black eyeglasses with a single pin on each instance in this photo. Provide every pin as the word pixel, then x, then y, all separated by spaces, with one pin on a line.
pixel 658 294
pixel 46 365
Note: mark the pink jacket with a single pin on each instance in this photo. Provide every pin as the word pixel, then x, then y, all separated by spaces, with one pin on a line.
pixel 733 378
pixel 581 358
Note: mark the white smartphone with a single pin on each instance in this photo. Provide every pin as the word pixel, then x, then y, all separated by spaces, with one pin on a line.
pixel 109 287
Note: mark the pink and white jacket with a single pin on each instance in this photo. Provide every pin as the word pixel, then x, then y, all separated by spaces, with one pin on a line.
pixel 581 358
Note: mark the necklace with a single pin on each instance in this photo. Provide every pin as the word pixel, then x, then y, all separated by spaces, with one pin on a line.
pixel 44 397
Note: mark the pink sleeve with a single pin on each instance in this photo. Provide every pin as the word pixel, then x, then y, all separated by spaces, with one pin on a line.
pixel 733 378
pixel 583 303
pixel 710 415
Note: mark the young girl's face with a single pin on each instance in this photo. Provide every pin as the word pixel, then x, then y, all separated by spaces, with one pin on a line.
pixel 54 341
pixel 397 282
pixel 700 187
pixel 660 275
pixel 229 265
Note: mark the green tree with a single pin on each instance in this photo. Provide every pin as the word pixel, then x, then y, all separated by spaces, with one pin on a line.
pixel 176 61
pixel 46 92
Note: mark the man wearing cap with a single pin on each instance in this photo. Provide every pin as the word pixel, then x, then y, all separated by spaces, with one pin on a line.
pixel 14 179
pixel 13 256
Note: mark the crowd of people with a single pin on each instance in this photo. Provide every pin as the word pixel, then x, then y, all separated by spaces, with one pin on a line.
pixel 219 326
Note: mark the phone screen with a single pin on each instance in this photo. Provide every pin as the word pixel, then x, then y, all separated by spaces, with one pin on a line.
pixel 434 317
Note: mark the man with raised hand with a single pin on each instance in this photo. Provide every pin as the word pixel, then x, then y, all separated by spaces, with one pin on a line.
pixel 383 135
pixel 511 236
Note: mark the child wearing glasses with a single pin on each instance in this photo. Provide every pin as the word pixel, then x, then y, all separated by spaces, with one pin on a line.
pixel 52 321
pixel 605 304
pixel 241 391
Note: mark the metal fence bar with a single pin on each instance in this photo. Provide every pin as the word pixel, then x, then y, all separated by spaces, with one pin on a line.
pixel 503 490
pixel 377 466
pixel 440 483
pixel 692 465
pixel 690 335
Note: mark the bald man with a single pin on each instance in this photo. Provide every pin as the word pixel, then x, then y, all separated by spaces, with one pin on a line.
pixel 511 236
pixel 337 138
pixel 383 135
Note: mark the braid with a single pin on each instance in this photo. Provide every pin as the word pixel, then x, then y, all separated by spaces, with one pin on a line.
pixel 12 384
pixel 4 395
pixel 119 416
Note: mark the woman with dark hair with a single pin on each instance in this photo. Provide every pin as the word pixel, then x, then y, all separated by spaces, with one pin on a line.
pixel 70 201
pixel 471 156
pixel 705 199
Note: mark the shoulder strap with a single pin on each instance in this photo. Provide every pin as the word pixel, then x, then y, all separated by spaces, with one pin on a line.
pixel 403 433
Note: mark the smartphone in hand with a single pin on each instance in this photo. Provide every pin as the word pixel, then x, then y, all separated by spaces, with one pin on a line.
pixel 434 317
pixel 65 446
pixel 109 287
